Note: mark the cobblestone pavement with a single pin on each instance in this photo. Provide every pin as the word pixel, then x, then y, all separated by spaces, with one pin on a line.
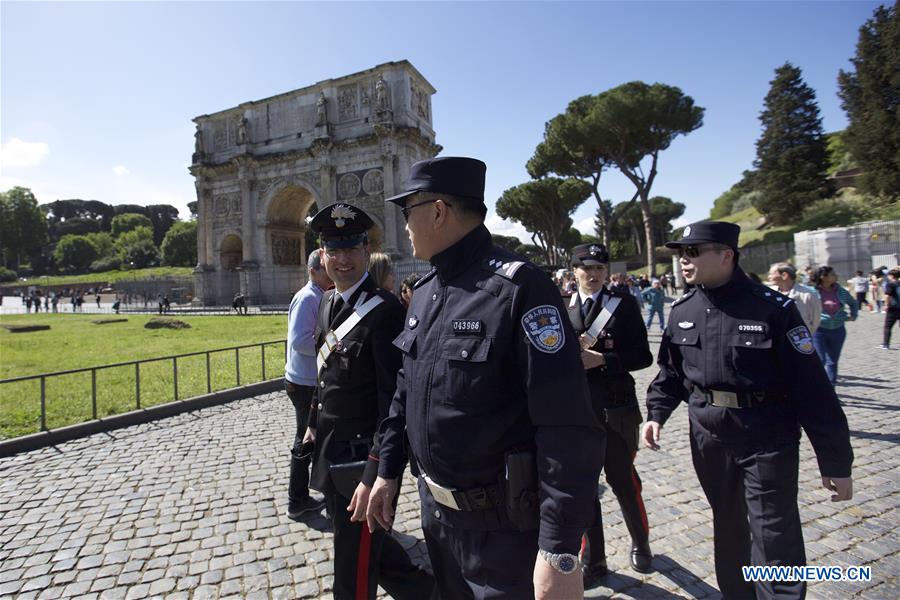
pixel 193 506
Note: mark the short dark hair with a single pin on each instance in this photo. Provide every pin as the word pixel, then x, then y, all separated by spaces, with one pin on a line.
pixel 786 267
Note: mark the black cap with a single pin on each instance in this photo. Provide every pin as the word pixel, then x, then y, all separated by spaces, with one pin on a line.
pixel 708 232
pixel 589 254
pixel 341 225
pixel 453 175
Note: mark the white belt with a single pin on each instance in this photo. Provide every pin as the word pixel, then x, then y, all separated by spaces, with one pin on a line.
pixel 333 338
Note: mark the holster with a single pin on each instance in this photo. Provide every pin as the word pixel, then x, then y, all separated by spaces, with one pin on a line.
pixel 520 488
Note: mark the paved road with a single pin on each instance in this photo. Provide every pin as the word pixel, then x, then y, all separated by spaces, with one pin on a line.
pixel 193 506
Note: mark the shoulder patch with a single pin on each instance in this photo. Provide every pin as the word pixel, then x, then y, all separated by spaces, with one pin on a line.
pixel 425 278
pixel 801 339
pixel 684 296
pixel 544 328
pixel 504 268
pixel 772 296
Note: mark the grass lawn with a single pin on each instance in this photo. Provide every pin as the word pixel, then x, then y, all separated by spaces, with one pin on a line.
pixel 74 342
pixel 110 277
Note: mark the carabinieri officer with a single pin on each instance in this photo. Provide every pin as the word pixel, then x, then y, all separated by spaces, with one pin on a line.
pixel 614 342
pixel 740 355
pixel 494 400
pixel 357 373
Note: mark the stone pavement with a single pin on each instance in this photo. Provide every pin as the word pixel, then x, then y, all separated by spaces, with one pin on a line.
pixel 193 506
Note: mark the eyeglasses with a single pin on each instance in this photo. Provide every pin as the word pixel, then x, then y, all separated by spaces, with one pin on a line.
pixel 693 251
pixel 405 210
pixel 335 252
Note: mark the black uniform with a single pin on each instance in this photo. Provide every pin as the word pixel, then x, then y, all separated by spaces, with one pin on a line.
pixel 745 345
pixel 623 343
pixel 490 365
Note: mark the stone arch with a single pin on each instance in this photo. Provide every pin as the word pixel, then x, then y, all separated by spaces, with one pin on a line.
pixel 231 252
pixel 286 226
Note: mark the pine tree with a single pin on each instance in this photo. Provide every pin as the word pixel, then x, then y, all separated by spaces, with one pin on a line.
pixel 791 152
pixel 871 97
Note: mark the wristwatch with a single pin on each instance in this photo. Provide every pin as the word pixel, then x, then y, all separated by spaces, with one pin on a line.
pixel 564 563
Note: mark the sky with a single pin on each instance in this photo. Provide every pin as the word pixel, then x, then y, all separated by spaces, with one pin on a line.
pixel 96 99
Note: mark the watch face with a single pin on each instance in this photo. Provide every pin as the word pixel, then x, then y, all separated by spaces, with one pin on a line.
pixel 566 564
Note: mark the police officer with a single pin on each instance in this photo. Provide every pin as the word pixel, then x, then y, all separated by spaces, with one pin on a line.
pixel 614 342
pixel 357 371
pixel 740 355
pixel 494 401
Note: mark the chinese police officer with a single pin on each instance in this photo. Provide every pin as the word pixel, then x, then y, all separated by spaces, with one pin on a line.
pixel 493 398
pixel 740 355
pixel 614 342
pixel 357 373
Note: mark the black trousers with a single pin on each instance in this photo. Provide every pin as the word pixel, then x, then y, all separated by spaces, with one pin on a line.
pixel 891 316
pixel 364 560
pixel 753 495
pixel 625 482
pixel 477 564
pixel 301 397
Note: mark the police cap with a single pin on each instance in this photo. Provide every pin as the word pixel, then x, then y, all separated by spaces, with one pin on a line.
pixel 453 175
pixel 708 232
pixel 341 225
pixel 589 254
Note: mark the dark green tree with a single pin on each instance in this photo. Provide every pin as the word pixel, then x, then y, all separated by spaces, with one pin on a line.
pixel 179 247
pixel 640 121
pixel 790 154
pixel 74 253
pixel 544 207
pixel 162 217
pixel 136 248
pixel 129 222
pixel 629 223
pixel 507 242
pixel 61 211
pixel 870 94
pixel 22 225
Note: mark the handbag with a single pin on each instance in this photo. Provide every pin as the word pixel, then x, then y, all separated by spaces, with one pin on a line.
pixel 346 476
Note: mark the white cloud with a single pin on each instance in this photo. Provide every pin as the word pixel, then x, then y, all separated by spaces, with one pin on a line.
pixel 681 222
pixel 18 153
pixel 500 226
pixel 120 170
pixel 586 226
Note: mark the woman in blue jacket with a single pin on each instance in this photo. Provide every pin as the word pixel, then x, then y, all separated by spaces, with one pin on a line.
pixel 829 337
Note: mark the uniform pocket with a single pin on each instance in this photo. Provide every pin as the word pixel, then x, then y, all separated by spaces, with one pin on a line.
pixel 469 378
pixel 345 352
pixel 749 358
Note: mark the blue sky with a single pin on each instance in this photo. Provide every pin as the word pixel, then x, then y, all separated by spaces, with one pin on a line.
pixel 96 99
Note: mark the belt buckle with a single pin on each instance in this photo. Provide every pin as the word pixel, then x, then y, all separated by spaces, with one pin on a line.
pixel 331 340
pixel 441 494
pixel 725 399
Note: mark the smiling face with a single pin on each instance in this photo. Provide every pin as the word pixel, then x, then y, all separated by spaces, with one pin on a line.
pixel 590 278
pixel 345 266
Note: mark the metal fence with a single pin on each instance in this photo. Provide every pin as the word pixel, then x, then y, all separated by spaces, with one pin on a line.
pixel 43 378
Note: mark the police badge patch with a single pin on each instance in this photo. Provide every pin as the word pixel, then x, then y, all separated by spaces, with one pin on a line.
pixel 544 329
pixel 800 339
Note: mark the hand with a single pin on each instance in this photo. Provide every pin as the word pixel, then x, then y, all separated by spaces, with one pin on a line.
pixel 650 434
pixel 381 504
pixel 310 435
pixel 841 486
pixel 592 359
pixel 359 502
pixel 585 341
pixel 550 584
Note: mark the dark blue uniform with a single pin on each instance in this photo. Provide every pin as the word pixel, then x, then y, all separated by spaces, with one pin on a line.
pixel 490 365
pixel 743 360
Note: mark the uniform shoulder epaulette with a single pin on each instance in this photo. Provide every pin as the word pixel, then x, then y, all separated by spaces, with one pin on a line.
pixel 425 278
pixel 773 296
pixel 684 296
pixel 503 266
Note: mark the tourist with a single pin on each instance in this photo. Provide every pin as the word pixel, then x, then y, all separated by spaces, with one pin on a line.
pixel 407 288
pixel 860 285
pixel 876 289
pixel 783 278
pixel 892 301
pixel 381 270
pixel 828 339
pixel 656 299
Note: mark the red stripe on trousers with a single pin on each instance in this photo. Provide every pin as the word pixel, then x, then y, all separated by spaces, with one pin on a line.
pixel 637 494
pixel 362 564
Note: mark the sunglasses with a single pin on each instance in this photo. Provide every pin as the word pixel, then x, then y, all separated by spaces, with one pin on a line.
pixel 405 210
pixel 693 251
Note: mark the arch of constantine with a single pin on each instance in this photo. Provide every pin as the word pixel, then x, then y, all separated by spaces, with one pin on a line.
pixel 261 166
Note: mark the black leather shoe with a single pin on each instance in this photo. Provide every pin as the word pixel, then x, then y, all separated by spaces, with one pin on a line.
pixel 298 509
pixel 641 558
pixel 594 574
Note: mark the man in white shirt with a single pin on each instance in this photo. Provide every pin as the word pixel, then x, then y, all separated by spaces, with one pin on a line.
pixel 300 378
pixel 783 277
pixel 860 285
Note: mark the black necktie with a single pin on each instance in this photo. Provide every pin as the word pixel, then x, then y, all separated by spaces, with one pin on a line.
pixel 586 308
pixel 336 307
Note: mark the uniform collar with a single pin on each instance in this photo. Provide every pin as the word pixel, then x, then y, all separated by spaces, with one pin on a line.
pixel 737 284
pixel 457 258
pixel 595 296
pixel 348 293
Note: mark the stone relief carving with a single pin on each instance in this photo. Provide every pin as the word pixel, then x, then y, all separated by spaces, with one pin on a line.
pixel 227 205
pixel 285 250
pixel 198 141
pixel 347 103
pixel 321 110
pixel 241 125
pixel 382 102
pixel 348 186
pixel 373 182
pixel 418 100
pixel 220 135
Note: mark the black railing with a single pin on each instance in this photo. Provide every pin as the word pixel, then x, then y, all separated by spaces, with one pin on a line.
pixel 44 377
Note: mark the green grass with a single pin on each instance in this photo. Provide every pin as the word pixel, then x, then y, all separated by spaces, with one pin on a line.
pixel 104 276
pixel 73 342
pixel 749 220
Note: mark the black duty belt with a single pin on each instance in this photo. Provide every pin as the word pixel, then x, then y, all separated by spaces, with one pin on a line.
pixel 725 399
pixel 482 498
